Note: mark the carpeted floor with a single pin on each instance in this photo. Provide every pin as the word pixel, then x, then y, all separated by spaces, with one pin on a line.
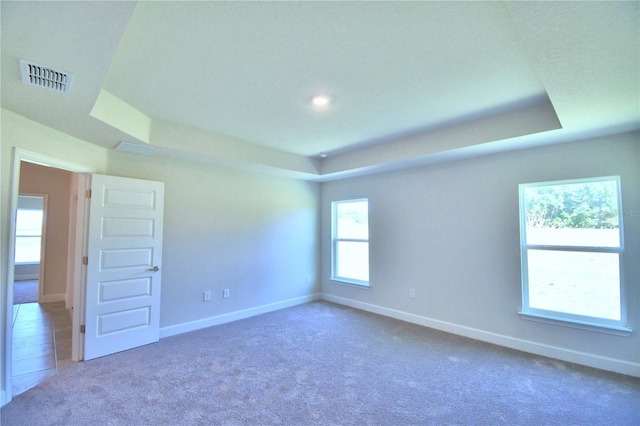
pixel 323 364
pixel 25 292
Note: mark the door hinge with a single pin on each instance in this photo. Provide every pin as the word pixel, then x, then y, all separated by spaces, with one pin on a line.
pixel 85 260
pixel 87 193
pixel 82 329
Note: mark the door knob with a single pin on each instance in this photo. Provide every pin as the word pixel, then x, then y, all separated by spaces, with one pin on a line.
pixel 154 269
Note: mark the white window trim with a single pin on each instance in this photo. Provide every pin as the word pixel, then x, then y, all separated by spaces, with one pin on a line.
pixel 565 319
pixel 334 242
pixel 579 324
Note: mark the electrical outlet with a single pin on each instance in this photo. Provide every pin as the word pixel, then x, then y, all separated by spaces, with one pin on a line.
pixel 225 293
pixel 206 296
pixel 412 292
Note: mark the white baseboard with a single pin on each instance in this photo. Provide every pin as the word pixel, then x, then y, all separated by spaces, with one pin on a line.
pixel 26 277
pixel 48 298
pixel 583 358
pixel 234 316
pixel 26 271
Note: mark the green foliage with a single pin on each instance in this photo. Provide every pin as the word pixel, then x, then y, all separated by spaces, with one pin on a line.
pixel 579 205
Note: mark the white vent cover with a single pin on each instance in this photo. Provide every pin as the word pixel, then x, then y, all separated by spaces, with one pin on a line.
pixel 41 76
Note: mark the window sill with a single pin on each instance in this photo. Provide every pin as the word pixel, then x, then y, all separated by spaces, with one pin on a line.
pixel 353 283
pixel 617 330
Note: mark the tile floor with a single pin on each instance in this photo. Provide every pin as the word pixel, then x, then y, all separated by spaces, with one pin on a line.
pixel 41 343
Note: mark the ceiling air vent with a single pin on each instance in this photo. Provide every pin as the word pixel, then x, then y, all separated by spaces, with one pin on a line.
pixel 41 76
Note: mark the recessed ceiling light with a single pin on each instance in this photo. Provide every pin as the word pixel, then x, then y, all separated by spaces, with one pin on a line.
pixel 323 155
pixel 320 100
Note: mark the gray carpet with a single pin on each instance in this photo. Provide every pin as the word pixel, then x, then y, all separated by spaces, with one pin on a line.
pixel 25 292
pixel 323 364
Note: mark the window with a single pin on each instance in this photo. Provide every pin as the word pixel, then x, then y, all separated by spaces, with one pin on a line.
pixel 350 241
pixel 571 250
pixel 29 217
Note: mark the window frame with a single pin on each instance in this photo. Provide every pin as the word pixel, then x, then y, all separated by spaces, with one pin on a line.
pixel 335 241
pixel 599 324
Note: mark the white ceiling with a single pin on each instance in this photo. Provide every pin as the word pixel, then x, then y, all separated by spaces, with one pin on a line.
pixel 229 83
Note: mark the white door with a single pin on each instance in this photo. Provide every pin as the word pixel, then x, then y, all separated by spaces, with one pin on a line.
pixel 122 309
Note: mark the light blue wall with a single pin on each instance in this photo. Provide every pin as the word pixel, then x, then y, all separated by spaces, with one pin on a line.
pixel 451 232
pixel 255 235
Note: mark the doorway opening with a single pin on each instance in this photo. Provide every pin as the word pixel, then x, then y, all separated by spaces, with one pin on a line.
pixel 119 251
pixel 40 333
pixel 42 318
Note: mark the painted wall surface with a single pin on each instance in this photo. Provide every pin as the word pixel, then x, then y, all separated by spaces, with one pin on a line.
pixel 254 235
pixel 56 183
pixel 451 232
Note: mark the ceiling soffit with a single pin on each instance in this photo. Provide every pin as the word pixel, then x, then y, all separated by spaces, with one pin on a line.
pixel 228 83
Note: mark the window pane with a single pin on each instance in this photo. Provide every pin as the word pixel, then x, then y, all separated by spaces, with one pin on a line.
pixel 27 250
pixel 352 260
pixel 352 220
pixel 578 283
pixel 575 214
pixel 29 223
pixel 28 230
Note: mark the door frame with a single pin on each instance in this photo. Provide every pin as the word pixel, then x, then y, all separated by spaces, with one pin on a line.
pixel 84 172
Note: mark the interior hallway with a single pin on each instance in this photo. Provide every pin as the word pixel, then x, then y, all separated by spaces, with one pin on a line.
pixel 41 343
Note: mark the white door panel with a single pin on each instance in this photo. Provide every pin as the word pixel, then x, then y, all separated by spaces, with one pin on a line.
pixel 124 266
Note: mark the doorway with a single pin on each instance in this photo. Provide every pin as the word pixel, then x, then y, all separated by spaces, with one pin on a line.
pixel 41 315
pixel 52 317
pixel 121 307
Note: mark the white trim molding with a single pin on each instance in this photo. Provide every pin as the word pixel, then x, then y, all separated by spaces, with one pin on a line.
pixel 58 297
pixel 186 327
pixel 583 358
